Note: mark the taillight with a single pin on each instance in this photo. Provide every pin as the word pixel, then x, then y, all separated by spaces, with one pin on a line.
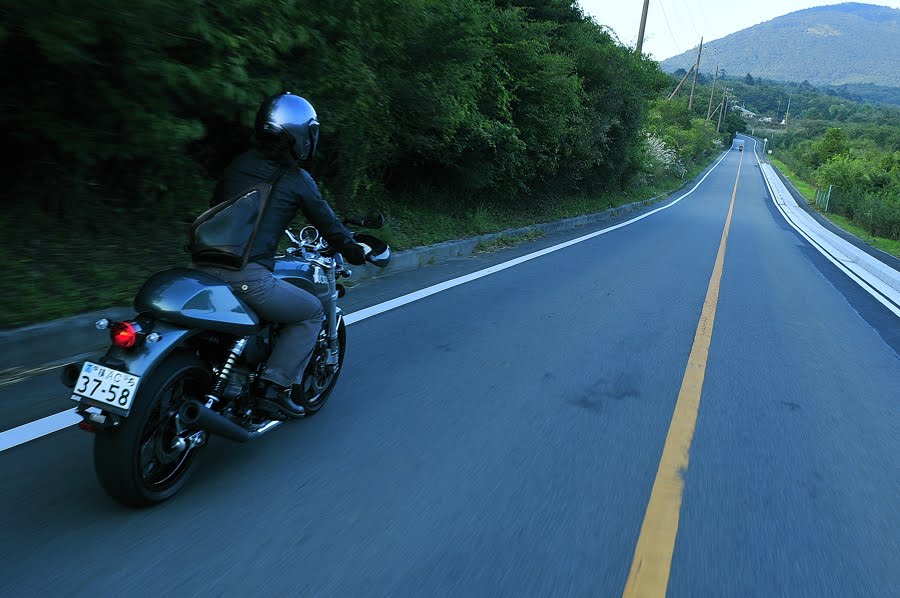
pixel 124 334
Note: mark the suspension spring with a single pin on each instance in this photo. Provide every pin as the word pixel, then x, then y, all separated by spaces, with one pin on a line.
pixel 222 380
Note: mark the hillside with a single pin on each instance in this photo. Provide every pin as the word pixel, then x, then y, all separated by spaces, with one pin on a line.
pixel 844 44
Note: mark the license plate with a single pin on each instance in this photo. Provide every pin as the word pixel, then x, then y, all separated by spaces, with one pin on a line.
pixel 104 386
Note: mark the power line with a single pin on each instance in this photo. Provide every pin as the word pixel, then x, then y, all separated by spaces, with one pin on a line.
pixel 690 17
pixel 704 24
pixel 671 34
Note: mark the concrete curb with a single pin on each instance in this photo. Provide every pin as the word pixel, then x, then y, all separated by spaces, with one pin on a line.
pixel 39 345
pixel 418 257
pixel 878 254
pixel 876 274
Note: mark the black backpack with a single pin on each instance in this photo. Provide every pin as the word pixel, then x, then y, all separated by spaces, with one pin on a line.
pixel 223 235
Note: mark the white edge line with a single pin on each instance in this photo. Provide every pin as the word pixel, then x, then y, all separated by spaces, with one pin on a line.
pixel 54 423
pixel 854 276
pixel 449 284
pixel 38 428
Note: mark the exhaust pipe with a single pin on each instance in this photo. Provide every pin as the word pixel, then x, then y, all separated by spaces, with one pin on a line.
pixel 194 413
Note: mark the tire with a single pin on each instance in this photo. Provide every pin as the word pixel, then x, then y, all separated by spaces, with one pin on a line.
pixel 319 380
pixel 134 462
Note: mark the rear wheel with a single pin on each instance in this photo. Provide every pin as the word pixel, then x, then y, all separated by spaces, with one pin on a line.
pixel 140 462
pixel 320 378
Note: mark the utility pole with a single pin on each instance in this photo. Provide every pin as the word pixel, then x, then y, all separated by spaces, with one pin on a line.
pixel 711 92
pixel 788 111
pixel 722 112
pixel 640 41
pixel 696 70
pixel 677 87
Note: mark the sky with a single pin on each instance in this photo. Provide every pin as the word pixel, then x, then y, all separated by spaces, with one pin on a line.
pixel 675 26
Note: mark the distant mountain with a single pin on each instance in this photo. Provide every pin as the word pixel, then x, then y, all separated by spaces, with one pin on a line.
pixel 843 44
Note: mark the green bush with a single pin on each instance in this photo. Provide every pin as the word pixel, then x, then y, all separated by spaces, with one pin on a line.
pixel 879 216
pixel 693 139
pixel 141 107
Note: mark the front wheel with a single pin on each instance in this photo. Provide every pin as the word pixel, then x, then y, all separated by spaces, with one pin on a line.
pixel 320 378
pixel 140 463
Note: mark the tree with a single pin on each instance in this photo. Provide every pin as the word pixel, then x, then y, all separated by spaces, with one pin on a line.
pixel 834 143
pixel 748 79
pixel 473 98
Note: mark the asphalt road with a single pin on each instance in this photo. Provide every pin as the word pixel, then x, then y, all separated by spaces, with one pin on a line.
pixel 502 438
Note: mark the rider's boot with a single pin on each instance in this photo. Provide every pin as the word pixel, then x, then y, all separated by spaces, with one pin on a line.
pixel 276 399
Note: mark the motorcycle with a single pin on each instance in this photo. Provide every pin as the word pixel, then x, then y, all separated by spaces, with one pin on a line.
pixel 187 365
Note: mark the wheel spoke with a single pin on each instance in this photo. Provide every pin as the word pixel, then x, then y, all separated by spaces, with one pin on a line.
pixel 148 457
pixel 175 391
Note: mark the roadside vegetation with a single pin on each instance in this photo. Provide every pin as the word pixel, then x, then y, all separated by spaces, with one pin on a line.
pixel 849 148
pixel 857 165
pixel 454 117
pixel 809 192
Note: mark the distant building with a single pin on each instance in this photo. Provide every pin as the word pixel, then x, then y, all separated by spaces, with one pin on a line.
pixel 744 112
pixel 765 119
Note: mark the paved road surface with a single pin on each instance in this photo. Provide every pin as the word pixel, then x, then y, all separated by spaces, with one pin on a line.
pixel 503 437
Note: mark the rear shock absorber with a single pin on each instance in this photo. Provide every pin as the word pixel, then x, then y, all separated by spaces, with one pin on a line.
pixel 222 380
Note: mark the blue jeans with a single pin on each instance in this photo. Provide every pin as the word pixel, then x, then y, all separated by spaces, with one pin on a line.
pixel 300 313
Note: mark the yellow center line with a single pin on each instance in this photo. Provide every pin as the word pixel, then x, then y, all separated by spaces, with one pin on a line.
pixel 649 575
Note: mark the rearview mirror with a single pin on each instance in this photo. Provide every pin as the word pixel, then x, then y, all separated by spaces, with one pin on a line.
pixel 373 219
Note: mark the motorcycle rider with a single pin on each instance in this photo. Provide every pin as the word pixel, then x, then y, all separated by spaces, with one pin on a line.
pixel 286 134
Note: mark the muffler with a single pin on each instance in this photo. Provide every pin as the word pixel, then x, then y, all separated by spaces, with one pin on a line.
pixel 196 414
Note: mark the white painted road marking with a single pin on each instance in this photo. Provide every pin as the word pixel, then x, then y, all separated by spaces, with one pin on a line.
pixel 54 423
pixel 36 429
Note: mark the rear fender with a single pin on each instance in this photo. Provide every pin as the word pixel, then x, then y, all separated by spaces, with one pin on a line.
pixel 141 359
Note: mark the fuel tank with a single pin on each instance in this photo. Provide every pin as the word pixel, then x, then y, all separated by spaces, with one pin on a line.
pixel 303 274
pixel 196 300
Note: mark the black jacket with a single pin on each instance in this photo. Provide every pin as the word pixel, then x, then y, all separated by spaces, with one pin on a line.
pixel 294 190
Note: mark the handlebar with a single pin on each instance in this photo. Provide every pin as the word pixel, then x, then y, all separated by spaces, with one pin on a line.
pixel 376 251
